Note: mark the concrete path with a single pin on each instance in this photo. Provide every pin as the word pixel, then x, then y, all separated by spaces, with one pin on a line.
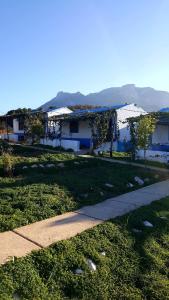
pixel 23 240
pixel 124 162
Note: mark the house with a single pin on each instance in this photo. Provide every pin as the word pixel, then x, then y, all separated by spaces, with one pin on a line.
pixel 76 127
pixel 12 126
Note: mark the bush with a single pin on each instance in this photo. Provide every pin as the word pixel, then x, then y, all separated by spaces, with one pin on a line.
pixel 5 147
pixel 8 164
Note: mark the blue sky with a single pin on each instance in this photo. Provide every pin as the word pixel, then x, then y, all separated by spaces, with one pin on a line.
pixel 80 45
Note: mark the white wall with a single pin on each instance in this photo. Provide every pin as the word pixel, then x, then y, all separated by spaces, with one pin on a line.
pixel 16 126
pixel 128 111
pixel 66 144
pixel 84 130
pixel 159 156
pixel 11 136
pixel 161 134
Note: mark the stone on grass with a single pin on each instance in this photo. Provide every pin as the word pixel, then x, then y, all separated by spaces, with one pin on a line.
pixel 34 166
pixel 41 166
pixel 91 265
pixel 147 224
pixel 24 167
pixel 109 185
pixel 61 165
pixel 156 176
pixel 135 230
pixel 76 163
pixel 103 253
pixel 79 271
pixel 163 218
pixel 101 194
pixel 50 166
pixel 139 180
pixel 130 185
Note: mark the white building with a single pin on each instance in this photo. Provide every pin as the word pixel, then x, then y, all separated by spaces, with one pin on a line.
pixel 77 129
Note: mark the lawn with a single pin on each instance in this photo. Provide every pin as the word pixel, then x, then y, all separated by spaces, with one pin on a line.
pixel 134 266
pixel 37 193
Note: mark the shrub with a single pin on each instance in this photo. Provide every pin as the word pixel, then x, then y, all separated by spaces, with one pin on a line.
pixel 8 164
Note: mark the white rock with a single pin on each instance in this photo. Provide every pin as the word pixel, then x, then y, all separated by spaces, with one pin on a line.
pixel 156 176
pixel 34 166
pixel 24 167
pixel 61 165
pixel 50 166
pixel 163 218
pixel 79 271
pixel 109 185
pixel 136 230
pixel 147 224
pixel 139 180
pixel 76 163
pixel 41 166
pixel 130 185
pixel 103 253
pixel 91 265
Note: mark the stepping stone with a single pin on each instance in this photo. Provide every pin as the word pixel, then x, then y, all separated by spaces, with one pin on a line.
pixel 61 165
pixel 109 185
pixel 24 167
pixel 50 166
pixel 147 224
pixel 41 166
pixel 91 265
pixel 139 180
pixel 130 185
pixel 79 271
pixel 163 218
pixel 34 166
pixel 76 163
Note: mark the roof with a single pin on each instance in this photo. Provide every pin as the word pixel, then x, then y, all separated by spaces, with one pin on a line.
pixel 165 109
pixel 96 110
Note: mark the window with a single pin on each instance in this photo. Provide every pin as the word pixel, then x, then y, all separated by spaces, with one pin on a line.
pixel 74 127
pixel 21 123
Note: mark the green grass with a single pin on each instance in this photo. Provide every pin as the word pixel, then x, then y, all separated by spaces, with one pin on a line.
pixel 136 266
pixel 36 194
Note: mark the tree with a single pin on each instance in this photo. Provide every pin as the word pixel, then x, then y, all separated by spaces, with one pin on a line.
pixel 145 128
pixel 34 126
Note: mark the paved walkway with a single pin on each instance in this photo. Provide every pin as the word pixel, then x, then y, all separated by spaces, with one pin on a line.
pixel 124 162
pixel 23 240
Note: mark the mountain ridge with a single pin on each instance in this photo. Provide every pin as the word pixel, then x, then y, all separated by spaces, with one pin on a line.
pixel 148 98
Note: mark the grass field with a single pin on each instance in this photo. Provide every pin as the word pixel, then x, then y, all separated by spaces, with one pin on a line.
pixel 37 193
pixel 135 265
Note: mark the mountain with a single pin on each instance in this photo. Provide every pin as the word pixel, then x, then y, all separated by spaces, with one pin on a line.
pixel 146 97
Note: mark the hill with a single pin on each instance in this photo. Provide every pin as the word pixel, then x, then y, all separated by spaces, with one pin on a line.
pixel 146 97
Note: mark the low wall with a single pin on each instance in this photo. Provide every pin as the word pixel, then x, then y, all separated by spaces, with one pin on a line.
pixel 66 144
pixel 159 156
pixel 11 136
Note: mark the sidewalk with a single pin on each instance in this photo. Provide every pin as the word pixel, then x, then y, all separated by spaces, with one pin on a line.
pixel 122 162
pixel 23 240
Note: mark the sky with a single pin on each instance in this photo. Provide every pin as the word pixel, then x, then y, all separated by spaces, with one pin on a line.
pixel 47 46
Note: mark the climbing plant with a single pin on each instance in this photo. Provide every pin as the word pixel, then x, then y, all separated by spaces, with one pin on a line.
pixel 34 126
